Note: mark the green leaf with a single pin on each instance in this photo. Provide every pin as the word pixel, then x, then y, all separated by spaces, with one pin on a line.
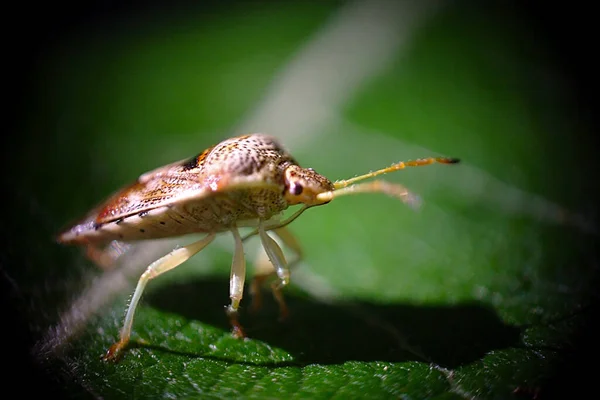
pixel 480 293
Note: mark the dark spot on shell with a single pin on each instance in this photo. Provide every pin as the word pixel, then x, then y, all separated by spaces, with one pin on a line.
pixel 162 222
pixel 142 230
pixel 190 164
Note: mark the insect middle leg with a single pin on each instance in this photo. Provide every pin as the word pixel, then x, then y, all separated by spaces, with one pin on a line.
pixel 280 269
pixel 160 266
pixel 236 284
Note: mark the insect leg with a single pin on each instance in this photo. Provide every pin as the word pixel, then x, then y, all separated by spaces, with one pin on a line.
pixel 266 271
pixel 290 241
pixel 236 284
pixel 106 258
pixel 162 265
pixel 280 265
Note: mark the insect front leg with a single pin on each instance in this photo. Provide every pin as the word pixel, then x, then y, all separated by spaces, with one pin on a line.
pixel 236 284
pixel 160 266
pixel 280 270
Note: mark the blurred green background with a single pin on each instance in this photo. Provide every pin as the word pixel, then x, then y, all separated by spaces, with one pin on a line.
pixel 485 290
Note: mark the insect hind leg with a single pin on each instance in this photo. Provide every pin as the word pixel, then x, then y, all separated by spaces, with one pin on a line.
pixel 158 267
pixel 106 257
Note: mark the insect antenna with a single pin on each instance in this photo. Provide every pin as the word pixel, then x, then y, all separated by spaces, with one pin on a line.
pixel 349 186
pixel 395 167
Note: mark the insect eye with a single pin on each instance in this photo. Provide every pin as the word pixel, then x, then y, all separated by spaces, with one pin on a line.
pixel 296 189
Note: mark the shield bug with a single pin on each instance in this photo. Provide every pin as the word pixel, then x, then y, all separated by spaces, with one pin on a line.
pixel 246 181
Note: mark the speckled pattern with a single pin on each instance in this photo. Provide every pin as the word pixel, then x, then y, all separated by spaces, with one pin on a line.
pixel 237 182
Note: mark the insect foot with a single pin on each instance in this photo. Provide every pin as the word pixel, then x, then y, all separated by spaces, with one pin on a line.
pixel 237 331
pixel 114 352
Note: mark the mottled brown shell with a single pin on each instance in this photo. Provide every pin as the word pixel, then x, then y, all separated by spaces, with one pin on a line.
pixel 239 178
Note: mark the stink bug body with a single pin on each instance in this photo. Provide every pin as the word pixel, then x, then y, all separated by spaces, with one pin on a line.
pixel 246 181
